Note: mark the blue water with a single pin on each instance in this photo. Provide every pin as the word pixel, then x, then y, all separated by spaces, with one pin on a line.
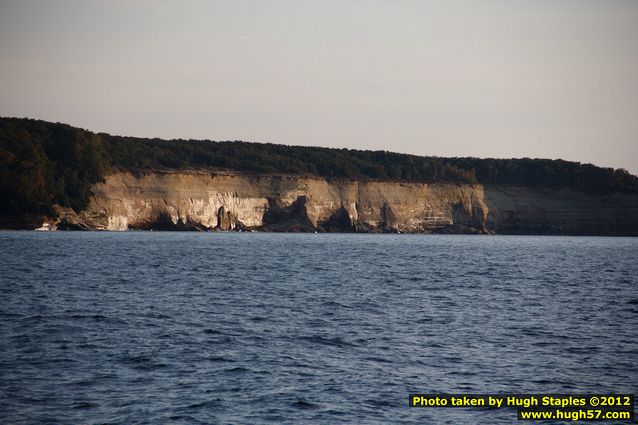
pixel 302 328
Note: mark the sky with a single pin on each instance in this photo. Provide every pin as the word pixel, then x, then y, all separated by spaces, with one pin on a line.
pixel 484 78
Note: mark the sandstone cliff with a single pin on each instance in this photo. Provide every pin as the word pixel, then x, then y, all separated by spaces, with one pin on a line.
pixel 227 201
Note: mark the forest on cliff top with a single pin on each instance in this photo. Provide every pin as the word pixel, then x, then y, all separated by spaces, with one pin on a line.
pixel 44 163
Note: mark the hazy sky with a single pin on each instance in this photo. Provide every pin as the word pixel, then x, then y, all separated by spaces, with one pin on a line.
pixel 510 78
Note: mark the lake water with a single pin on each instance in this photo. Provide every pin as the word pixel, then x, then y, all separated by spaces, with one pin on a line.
pixel 306 328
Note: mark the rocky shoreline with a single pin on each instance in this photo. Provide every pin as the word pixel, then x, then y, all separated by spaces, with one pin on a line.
pixel 205 201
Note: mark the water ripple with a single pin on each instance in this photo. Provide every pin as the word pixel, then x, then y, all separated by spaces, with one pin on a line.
pixel 284 328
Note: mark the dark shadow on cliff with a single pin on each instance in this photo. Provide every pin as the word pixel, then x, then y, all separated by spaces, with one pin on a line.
pixel 291 218
pixel 165 223
pixel 226 220
pixel 466 222
pixel 339 222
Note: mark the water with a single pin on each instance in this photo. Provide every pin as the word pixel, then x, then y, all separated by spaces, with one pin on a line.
pixel 298 328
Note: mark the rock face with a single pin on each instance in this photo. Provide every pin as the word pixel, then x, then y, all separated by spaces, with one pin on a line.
pixel 516 210
pixel 197 200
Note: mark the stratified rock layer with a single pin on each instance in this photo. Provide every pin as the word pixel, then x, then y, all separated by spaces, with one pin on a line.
pixel 227 201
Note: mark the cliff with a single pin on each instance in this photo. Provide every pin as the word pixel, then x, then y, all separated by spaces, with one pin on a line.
pixel 197 200
pixel 71 178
